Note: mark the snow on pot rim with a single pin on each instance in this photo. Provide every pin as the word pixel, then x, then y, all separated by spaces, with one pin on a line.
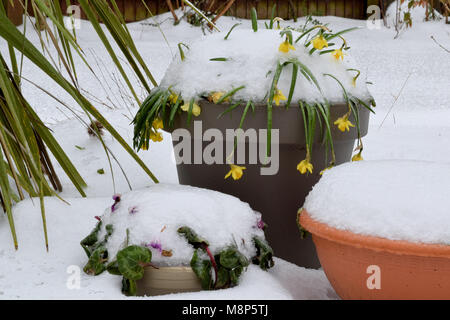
pixel 272 67
pixel 153 216
pixel 391 199
pixel 251 60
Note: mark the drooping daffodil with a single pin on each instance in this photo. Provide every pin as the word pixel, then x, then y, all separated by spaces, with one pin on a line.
pixel 196 110
pixel 215 97
pixel 357 157
pixel 278 96
pixel 343 123
pixel 285 46
pixel 158 124
pixel 338 54
pixel 305 166
pixel 156 136
pixel 173 98
pixel 319 42
pixel 235 172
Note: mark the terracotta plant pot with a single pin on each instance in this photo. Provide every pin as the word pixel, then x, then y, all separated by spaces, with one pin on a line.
pixel 166 280
pixel 405 270
pixel 278 197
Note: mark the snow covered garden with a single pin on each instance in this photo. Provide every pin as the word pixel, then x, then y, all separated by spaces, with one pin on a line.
pixel 353 114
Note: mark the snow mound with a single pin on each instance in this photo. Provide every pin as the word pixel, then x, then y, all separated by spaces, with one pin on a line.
pixel 252 59
pixel 153 215
pixel 396 199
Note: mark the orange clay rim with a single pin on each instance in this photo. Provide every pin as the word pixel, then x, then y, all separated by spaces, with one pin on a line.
pixel 370 242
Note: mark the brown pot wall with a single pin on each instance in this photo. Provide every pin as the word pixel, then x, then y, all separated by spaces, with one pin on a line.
pixel 277 197
pixel 406 270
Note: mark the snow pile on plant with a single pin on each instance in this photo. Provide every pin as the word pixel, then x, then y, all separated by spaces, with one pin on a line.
pixel 172 225
pixel 248 58
pixel 153 216
pixel 411 12
pixel 397 200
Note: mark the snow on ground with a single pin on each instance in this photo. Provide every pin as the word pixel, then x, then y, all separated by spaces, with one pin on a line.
pixel 411 70
pixel 397 200
pixel 33 273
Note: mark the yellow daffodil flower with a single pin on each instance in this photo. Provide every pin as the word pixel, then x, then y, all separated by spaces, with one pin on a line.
pixel 196 110
pixel 158 124
pixel 285 46
pixel 173 98
pixel 278 96
pixel 338 54
pixel 343 123
pixel 305 166
pixel 235 172
pixel 156 136
pixel 319 42
pixel 357 157
pixel 214 97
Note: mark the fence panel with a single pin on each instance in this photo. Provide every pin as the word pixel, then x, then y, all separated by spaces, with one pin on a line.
pixel 134 10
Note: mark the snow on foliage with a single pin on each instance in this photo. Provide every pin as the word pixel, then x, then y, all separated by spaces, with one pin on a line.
pixel 153 215
pixel 248 58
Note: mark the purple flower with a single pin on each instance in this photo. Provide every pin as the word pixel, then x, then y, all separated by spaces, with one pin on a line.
pixel 132 210
pixel 261 225
pixel 155 245
pixel 116 199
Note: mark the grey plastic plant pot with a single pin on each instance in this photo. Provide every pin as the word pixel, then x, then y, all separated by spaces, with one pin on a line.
pixel 167 280
pixel 278 197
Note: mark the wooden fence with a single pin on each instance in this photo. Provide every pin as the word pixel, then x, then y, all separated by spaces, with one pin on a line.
pixel 14 11
pixel 135 10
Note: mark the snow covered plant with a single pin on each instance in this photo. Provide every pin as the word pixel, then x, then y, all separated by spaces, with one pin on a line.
pixel 216 234
pixel 261 68
pixel 404 12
